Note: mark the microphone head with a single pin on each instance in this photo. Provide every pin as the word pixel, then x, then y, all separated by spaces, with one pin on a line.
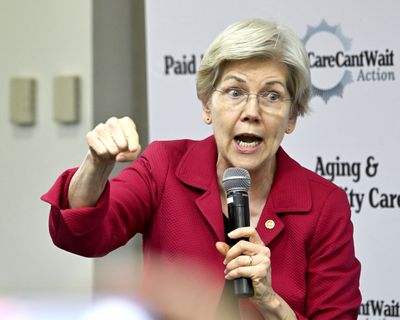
pixel 236 179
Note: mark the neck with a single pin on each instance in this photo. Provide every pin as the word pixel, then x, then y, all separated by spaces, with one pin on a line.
pixel 261 180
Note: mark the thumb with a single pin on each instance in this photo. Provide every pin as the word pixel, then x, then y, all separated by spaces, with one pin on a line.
pixel 222 248
pixel 126 156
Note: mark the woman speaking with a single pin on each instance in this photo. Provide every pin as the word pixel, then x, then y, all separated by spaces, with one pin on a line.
pixel 298 251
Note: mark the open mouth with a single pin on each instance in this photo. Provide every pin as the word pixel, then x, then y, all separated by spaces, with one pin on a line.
pixel 247 141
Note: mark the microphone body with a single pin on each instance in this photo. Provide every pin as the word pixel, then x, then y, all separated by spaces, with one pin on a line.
pixel 236 182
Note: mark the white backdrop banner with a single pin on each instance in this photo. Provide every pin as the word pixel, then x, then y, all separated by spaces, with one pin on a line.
pixel 352 135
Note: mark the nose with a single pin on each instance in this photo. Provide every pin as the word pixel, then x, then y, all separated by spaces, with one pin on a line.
pixel 251 109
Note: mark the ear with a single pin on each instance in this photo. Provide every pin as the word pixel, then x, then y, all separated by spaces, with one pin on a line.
pixel 291 124
pixel 206 112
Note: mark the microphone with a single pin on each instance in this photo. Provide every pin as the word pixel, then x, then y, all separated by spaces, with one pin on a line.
pixel 236 182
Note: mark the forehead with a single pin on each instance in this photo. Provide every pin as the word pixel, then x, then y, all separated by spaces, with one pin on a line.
pixel 255 70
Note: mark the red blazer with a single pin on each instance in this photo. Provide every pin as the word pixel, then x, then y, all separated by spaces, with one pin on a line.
pixel 170 195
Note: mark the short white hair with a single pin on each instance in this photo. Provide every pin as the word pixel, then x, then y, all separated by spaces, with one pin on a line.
pixel 262 39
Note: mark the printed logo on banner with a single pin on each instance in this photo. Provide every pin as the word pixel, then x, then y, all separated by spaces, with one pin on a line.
pixel 379 309
pixel 334 65
pixel 184 65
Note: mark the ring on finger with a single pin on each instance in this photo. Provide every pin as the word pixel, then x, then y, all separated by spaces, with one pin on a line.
pixel 251 261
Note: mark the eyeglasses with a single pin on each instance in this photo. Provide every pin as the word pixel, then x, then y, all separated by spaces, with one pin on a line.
pixel 237 97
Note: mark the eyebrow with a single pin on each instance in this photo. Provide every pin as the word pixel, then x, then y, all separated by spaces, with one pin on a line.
pixel 231 77
pixel 268 83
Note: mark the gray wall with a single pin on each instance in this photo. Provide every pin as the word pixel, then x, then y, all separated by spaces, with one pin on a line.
pixel 120 89
pixel 103 43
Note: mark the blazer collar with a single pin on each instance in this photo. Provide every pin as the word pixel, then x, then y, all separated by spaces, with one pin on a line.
pixel 290 193
pixel 197 167
pixel 290 190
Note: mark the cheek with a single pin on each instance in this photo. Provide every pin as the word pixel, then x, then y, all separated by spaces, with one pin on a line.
pixel 276 125
pixel 220 129
pixel 222 120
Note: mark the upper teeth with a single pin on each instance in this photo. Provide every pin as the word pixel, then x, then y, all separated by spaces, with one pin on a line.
pixel 248 144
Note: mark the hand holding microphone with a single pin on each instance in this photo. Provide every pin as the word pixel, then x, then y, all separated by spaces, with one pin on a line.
pixel 247 259
pixel 236 182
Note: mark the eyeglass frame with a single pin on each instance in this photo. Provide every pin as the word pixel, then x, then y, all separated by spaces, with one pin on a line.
pixel 248 94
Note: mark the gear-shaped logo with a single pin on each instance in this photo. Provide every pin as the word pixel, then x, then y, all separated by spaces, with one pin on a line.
pixel 336 90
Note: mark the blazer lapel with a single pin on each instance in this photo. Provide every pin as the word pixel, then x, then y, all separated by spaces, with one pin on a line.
pixel 197 169
pixel 290 193
pixel 209 205
pixel 269 225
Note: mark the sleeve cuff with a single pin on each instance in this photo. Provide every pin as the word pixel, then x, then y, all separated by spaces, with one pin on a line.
pixel 80 220
pixel 57 196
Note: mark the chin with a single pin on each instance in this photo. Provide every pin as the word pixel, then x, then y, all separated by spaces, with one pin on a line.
pixel 255 165
pixel 246 164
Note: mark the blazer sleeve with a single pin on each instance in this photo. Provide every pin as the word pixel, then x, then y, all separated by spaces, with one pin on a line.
pixel 124 209
pixel 333 270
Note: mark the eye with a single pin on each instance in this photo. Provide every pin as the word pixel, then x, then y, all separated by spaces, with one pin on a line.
pixel 234 92
pixel 271 96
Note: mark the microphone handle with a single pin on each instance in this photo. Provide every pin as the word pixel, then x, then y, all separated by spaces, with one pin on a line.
pixel 238 209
